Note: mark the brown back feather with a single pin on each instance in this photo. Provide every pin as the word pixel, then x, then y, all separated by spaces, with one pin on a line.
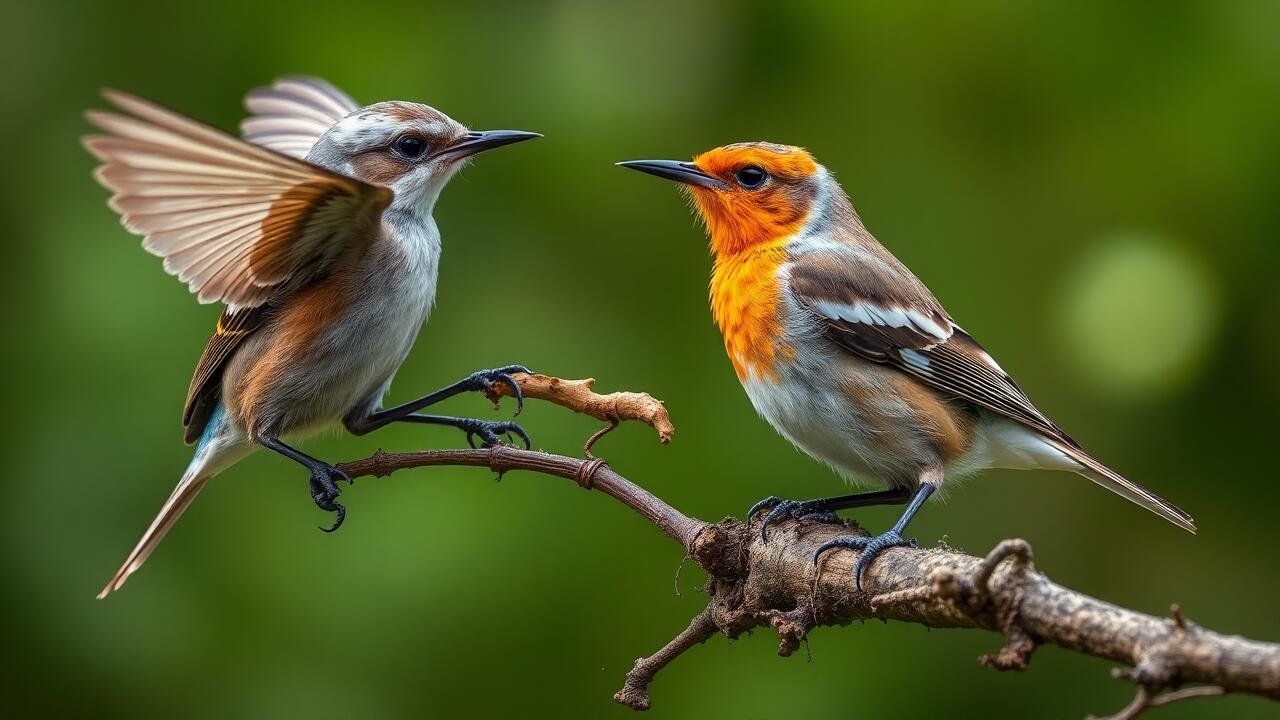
pixel 232 330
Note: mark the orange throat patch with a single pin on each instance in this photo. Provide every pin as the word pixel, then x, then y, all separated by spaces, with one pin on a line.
pixel 749 230
pixel 745 301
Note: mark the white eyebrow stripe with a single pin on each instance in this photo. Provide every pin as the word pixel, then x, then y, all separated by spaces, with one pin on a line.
pixel 867 313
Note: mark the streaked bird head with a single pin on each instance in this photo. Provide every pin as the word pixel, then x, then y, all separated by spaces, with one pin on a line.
pixel 747 193
pixel 411 148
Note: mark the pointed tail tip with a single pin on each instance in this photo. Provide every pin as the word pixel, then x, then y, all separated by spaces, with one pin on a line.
pixel 1178 516
pixel 116 582
pixel 1117 483
pixel 1174 514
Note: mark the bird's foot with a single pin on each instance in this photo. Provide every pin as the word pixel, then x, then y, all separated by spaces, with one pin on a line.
pixel 797 509
pixel 869 547
pixel 490 433
pixel 483 380
pixel 325 492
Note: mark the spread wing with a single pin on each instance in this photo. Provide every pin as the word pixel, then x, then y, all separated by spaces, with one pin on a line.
pixel 874 307
pixel 233 220
pixel 293 113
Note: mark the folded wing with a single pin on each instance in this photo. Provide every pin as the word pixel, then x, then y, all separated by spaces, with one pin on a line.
pixel 878 310
pixel 872 310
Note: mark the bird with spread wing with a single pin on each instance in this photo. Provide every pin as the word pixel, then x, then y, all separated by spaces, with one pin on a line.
pixel 316 232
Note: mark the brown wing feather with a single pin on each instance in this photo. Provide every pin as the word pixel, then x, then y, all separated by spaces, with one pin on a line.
pixel 880 312
pixel 237 222
pixel 232 330
pixel 233 220
pixel 293 113
pixel 958 368
pixel 876 309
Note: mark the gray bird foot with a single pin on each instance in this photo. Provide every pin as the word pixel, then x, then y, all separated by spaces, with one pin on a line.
pixel 490 433
pixel 325 492
pixel 869 547
pixel 802 510
pixel 483 380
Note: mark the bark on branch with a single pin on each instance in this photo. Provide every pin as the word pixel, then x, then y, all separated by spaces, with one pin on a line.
pixel 775 584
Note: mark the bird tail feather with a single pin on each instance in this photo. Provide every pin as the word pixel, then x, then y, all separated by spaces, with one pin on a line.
pixel 220 446
pixel 193 480
pixel 1132 491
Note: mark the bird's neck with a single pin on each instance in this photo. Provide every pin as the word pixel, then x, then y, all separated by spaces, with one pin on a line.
pixel 739 223
pixel 417 237
pixel 745 300
pixel 749 234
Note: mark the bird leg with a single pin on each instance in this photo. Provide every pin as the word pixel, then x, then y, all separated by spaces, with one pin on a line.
pixel 324 477
pixel 870 547
pixel 822 509
pixel 478 381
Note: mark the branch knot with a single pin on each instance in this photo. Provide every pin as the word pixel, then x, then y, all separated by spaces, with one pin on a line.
pixel 585 477
pixel 792 627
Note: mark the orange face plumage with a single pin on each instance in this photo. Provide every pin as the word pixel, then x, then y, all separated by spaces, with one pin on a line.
pixel 753 198
pixel 766 197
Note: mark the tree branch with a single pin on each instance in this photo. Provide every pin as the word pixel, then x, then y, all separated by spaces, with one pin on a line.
pixel 635 689
pixel 776 584
pixel 578 396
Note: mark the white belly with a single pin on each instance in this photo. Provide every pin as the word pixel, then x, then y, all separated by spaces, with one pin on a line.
pixel 386 320
pixel 873 442
pixel 877 441
pixel 386 333
pixel 352 363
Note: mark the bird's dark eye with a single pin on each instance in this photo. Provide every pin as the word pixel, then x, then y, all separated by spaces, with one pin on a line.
pixel 410 146
pixel 751 177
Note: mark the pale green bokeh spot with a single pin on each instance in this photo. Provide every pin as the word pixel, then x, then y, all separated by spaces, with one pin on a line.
pixel 1138 313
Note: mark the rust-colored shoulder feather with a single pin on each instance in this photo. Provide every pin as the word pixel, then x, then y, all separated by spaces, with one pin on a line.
pixel 239 223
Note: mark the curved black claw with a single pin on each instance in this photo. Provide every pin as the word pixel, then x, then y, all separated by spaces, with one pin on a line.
pixel 769 502
pixel 485 379
pixel 797 509
pixel 325 492
pixel 870 547
pixel 490 432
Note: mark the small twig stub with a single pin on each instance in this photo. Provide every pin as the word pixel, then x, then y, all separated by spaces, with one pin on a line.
pixel 579 396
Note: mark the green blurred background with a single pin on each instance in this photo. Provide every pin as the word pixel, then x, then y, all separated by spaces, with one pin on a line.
pixel 1092 193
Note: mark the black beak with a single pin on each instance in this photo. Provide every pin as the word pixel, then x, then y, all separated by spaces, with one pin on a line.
pixel 685 172
pixel 477 141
